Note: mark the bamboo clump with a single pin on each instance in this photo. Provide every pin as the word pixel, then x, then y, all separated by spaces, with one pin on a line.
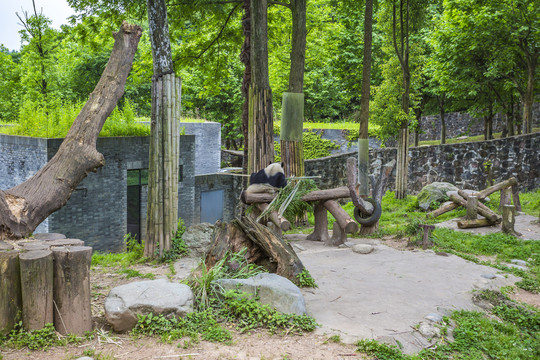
pixel 162 210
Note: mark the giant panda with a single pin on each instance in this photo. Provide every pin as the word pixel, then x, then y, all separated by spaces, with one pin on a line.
pixel 267 179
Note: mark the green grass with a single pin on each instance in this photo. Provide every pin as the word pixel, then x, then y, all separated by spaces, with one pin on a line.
pixel 468 139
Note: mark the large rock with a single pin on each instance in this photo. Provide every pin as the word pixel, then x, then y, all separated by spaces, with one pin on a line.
pixel 271 289
pixel 198 238
pixel 434 192
pixel 143 297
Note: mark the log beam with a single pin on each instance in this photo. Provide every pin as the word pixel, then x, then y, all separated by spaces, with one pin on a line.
pixel 348 225
pixel 467 224
pixel 482 209
pixel 275 218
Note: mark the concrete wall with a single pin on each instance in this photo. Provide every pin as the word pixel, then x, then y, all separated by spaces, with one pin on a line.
pixel 207 146
pixel 231 184
pixel 461 164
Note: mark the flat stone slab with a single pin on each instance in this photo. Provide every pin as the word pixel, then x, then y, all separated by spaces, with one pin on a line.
pixel 143 297
pixel 523 225
pixel 383 294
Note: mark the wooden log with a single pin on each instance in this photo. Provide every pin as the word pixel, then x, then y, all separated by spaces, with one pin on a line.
pixel 472 208
pixel 482 209
pixel 71 291
pixel 504 199
pixel 320 229
pixel 466 224
pixel 515 197
pixel 502 185
pixel 338 236
pixel 509 220
pixel 464 194
pixel 34 245
pixel 5 246
pixel 345 221
pixel 444 208
pixel 10 290
pixel 329 194
pixel 365 207
pixel 278 220
pixel 36 288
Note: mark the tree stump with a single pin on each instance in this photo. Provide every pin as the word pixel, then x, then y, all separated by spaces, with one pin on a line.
pixel 426 242
pixel 72 312
pixel 320 229
pixel 264 247
pixel 37 288
pixel 10 289
pixel 472 208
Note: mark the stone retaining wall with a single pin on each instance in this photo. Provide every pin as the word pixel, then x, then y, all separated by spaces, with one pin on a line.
pixel 461 164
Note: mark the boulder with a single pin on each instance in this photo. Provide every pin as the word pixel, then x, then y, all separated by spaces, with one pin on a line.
pixel 198 238
pixel 271 289
pixel 434 192
pixel 144 297
pixel 362 248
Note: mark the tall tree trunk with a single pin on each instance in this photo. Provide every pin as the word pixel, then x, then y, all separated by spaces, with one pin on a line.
pixel 245 57
pixel 443 122
pixel 402 52
pixel 25 206
pixel 292 150
pixel 528 98
pixel 261 126
pixel 162 209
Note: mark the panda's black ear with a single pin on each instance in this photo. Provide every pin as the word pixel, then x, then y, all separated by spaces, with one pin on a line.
pixel 282 164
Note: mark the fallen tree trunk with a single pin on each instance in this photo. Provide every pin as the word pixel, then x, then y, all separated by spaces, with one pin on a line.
pixel 25 206
pixel 467 224
pixel 264 247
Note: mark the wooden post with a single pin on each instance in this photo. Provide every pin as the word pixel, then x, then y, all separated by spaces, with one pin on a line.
pixel 426 242
pixel 509 220
pixel 292 119
pixel 338 236
pixel 320 229
pixel 472 205
pixel 515 197
pixel 36 288
pixel 10 289
pixel 71 291
pixel 505 198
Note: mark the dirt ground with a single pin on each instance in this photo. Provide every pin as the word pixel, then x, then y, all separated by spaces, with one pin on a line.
pixel 108 345
pixel 256 345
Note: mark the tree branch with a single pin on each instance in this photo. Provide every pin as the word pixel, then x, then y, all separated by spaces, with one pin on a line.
pixel 217 37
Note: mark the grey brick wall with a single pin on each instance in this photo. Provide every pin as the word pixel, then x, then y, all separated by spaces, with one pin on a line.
pixel 97 209
pixel 20 158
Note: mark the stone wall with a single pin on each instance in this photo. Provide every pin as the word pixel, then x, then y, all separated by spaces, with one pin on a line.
pixel 461 164
pixel 458 124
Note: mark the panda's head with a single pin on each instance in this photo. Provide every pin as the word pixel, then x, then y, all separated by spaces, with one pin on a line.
pixel 274 169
